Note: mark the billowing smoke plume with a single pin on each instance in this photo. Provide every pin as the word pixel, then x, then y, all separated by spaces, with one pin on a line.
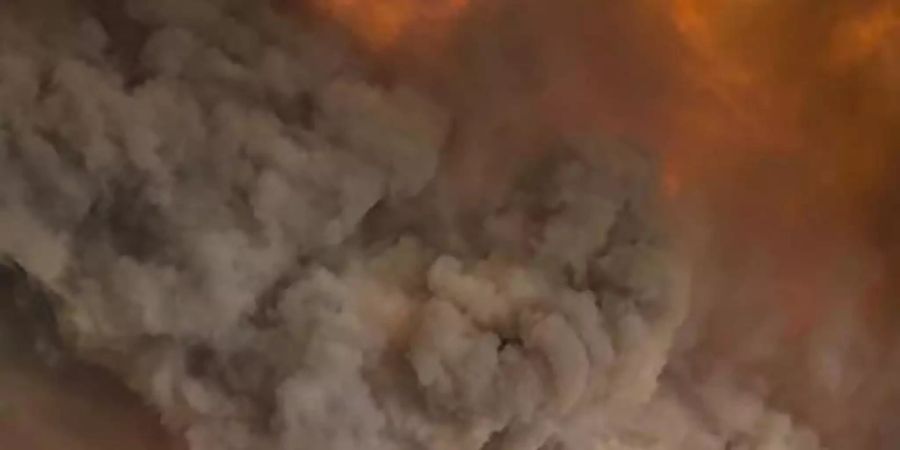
pixel 262 242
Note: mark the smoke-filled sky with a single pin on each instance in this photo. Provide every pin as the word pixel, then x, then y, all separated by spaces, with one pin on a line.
pixel 776 122
pixel 466 224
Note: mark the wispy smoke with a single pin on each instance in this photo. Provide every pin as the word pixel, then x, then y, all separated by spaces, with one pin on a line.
pixel 261 241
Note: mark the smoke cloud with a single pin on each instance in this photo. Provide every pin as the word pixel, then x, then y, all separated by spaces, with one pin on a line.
pixel 774 121
pixel 278 249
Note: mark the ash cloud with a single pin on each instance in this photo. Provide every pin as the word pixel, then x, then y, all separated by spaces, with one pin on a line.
pixel 260 241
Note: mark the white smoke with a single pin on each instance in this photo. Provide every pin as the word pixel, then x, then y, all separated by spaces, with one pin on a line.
pixel 251 234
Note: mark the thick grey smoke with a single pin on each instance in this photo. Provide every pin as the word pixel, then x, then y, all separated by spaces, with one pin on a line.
pixel 252 234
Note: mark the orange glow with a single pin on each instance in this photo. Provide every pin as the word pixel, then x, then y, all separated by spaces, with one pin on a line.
pixel 381 23
pixel 861 37
pixel 797 86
